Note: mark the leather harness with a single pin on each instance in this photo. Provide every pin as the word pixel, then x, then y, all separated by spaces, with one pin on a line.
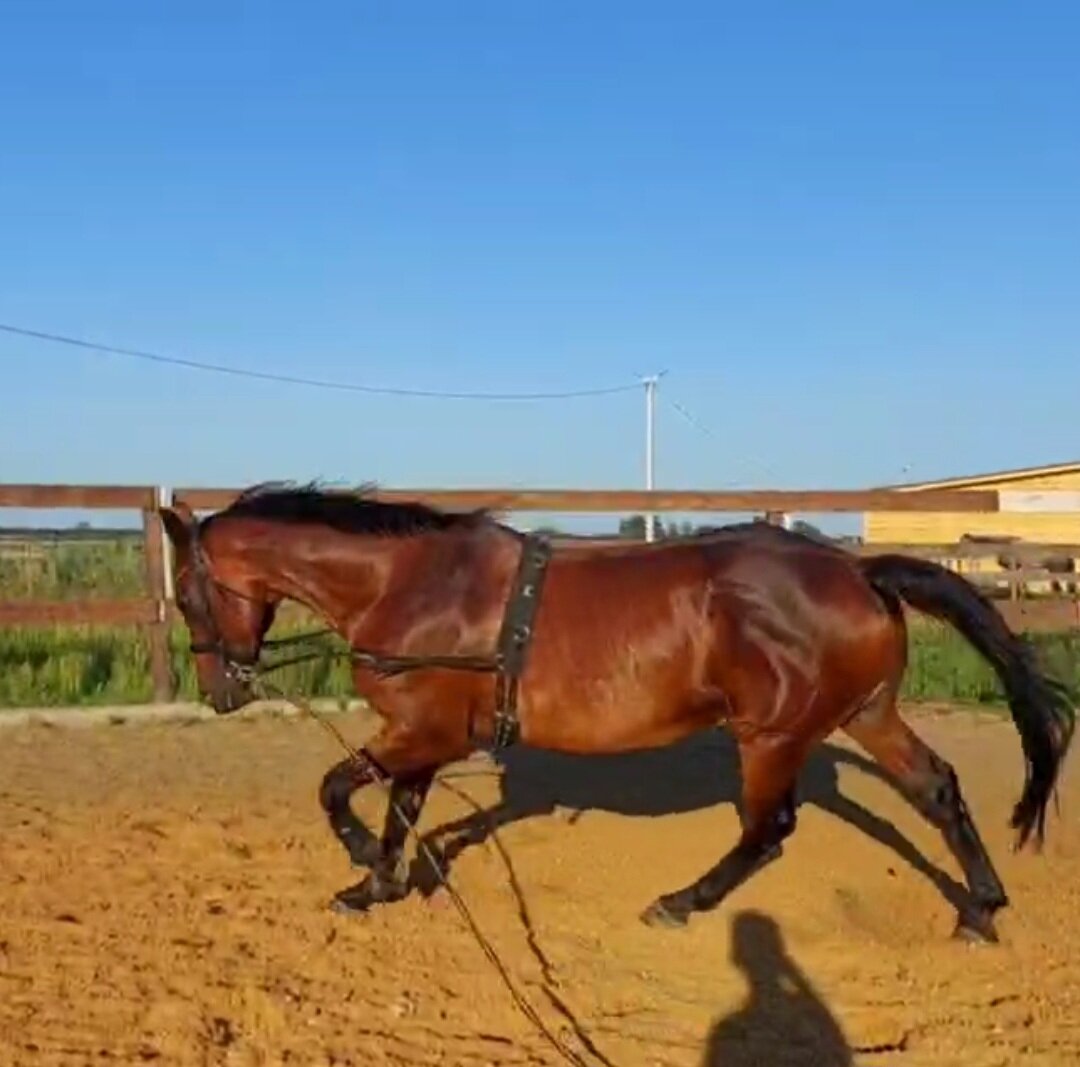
pixel 507 662
pixel 519 620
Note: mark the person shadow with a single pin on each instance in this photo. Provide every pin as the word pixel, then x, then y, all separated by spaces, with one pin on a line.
pixel 699 772
pixel 783 1021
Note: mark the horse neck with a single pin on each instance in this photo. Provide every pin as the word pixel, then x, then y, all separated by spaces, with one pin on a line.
pixel 332 574
pixel 343 577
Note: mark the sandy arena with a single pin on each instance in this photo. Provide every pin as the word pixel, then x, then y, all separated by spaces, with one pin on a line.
pixel 165 892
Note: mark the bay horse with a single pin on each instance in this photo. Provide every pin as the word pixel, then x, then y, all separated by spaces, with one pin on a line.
pixel 777 637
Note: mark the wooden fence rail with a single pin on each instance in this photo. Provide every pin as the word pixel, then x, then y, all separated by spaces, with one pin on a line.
pixel 96 497
pixel 151 612
pixel 591 501
pixel 1022 563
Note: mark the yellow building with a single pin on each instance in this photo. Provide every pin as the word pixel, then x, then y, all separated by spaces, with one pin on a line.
pixel 1023 521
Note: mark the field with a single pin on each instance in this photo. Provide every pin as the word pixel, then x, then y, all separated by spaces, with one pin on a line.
pixel 165 897
pixel 71 666
pixel 101 665
pixel 86 666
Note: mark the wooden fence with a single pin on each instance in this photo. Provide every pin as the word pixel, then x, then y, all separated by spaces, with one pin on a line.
pixel 1022 565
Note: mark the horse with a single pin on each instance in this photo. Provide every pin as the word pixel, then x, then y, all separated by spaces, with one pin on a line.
pixel 777 637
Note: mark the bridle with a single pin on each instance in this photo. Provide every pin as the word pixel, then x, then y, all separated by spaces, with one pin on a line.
pixel 241 667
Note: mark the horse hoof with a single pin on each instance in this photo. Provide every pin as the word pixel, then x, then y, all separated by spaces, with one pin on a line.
pixel 340 905
pixel 975 933
pixel 657 914
pixel 361 898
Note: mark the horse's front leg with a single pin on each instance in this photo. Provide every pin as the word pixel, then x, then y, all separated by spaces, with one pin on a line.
pixel 336 790
pixel 407 759
pixel 389 877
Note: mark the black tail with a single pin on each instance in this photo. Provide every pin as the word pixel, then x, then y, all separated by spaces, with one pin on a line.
pixel 1041 707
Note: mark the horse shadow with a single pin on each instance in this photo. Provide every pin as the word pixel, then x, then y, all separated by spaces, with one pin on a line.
pixel 783 1022
pixel 699 772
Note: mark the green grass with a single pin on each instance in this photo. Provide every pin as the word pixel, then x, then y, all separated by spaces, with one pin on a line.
pixel 85 665
pixel 88 666
pixel 104 665
pixel 70 570
pixel 942 666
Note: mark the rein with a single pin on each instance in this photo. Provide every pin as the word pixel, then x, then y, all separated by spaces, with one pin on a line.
pixel 508 661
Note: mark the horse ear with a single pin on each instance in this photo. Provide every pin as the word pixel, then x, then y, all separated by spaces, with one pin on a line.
pixel 178 521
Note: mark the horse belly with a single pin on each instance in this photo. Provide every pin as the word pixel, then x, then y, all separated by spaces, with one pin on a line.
pixel 616 711
pixel 619 655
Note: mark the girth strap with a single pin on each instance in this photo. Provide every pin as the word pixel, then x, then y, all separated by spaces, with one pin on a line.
pixel 516 635
pixel 507 663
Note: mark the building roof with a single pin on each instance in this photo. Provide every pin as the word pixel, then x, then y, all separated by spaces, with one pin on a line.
pixel 971 481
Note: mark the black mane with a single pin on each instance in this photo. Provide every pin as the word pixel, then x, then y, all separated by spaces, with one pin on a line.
pixel 355 511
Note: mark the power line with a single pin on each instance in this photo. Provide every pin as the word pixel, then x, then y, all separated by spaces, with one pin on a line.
pixel 699 426
pixel 703 429
pixel 290 379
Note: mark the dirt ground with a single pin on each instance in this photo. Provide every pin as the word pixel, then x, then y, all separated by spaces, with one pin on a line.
pixel 165 891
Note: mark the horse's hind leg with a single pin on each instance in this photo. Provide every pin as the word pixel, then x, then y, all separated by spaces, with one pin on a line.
pixel 931 785
pixel 770 767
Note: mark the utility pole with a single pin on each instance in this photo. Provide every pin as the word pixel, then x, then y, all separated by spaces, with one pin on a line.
pixel 650 449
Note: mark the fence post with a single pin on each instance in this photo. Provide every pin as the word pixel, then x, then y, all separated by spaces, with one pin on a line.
pixel 158 630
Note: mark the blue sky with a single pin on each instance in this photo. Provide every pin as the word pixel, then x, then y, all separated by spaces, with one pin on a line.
pixel 824 220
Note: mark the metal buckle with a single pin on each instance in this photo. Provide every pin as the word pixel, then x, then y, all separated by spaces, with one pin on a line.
pixel 505 731
pixel 241 672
